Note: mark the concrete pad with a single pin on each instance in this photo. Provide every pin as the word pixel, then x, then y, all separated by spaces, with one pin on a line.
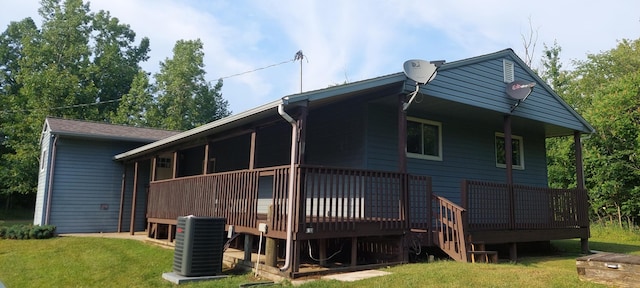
pixel 179 279
pixel 355 276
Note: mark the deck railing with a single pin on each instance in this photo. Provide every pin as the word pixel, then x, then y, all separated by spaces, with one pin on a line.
pixel 329 201
pixel 450 228
pixel 497 206
pixel 362 201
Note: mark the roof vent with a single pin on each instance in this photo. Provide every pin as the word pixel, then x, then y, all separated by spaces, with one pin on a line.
pixel 507 67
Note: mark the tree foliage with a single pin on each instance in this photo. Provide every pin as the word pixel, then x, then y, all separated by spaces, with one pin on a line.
pixel 85 65
pixel 185 99
pixel 609 85
pixel 605 89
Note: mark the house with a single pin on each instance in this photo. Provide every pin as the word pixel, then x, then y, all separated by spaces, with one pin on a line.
pixel 79 184
pixel 346 177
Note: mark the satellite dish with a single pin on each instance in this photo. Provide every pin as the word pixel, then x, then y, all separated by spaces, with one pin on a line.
pixel 420 71
pixel 519 89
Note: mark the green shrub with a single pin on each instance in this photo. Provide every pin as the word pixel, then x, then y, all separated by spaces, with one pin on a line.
pixel 20 232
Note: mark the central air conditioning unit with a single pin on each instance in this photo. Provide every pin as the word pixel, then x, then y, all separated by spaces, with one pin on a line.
pixel 199 246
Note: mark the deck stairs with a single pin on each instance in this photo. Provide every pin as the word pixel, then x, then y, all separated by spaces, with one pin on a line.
pixel 451 237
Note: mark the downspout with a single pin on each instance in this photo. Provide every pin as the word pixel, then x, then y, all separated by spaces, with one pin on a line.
pixel 291 186
pixel 52 165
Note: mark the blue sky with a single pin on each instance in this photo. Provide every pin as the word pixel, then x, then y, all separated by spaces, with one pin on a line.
pixel 353 40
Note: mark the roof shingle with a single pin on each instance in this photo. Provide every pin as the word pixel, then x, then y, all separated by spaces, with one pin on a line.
pixel 105 131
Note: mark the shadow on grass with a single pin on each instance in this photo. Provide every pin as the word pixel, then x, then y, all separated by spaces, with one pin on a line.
pixel 570 250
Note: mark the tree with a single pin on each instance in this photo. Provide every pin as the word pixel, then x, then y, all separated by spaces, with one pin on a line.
pixel 76 60
pixel 613 152
pixel 115 62
pixel 560 150
pixel 134 105
pixel 608 86
pixel 184 98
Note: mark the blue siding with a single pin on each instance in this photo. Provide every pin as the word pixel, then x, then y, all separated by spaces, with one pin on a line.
pixel 87 185
pixel 480 84
pixel 468 152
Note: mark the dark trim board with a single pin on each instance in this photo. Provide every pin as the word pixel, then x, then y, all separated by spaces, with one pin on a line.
pixel 514 236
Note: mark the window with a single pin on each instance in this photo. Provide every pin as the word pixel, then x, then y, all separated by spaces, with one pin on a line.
pixel 424 139
pixel 517 149
pixel 162 162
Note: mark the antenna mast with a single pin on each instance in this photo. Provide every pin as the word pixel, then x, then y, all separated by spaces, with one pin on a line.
pixel 299 56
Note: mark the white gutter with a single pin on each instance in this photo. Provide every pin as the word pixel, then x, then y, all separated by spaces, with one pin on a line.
pixel 52 166
pixel 292 183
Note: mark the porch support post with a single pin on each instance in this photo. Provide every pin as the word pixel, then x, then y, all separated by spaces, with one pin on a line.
pixel 508 159
pixel 584 242
pixel 205 164
pixel 133 199
pixel 122 191
pixel 579 165
pixel 252 152
pixel 302 137
pixel 402 136
pixel 154 165
pixel 175 165
pixel 508 149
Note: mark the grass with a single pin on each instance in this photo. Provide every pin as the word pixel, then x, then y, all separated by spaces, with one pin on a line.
pixel 103 262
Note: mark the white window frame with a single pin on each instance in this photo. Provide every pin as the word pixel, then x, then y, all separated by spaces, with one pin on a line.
pixel 520 150
pixel 424 156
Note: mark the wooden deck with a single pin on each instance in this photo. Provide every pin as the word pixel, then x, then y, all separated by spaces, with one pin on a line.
pixel 331 202
pixel 372 211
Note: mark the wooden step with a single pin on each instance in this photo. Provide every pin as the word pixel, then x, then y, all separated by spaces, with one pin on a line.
pixel 485 256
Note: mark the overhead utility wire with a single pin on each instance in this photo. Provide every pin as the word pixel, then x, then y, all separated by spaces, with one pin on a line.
pixel 118 99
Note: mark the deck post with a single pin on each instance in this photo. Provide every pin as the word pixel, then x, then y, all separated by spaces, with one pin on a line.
pixel 248 247
pixel 513 252
pixel 584 242
pixel 354 251
pixel 271 246
pixel 132 225
pixel 322 254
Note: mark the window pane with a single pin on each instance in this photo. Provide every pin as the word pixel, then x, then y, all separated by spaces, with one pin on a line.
pixel 431 140
pixel 515 151
pixel 515 148
pixel 500 150
pixel 414 144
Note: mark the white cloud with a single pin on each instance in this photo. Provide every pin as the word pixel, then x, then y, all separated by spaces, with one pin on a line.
pixel 354 40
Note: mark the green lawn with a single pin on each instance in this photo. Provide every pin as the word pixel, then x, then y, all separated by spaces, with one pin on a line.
pixel 102 262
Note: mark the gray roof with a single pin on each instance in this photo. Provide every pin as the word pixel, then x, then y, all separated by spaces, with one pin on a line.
pixel 263 111
pixel 87 129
